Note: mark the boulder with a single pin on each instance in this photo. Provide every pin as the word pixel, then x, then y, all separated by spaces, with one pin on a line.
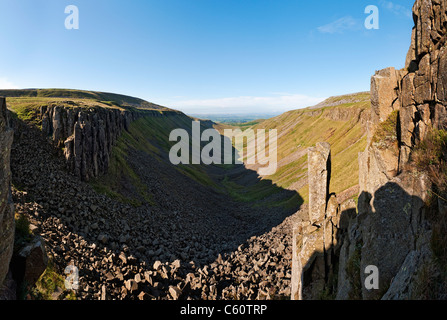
pixel 175 292
pixel 31 261
pixel 103 238
pixel 131 285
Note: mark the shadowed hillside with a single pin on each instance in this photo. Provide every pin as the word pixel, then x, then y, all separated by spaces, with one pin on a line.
pixel 163 231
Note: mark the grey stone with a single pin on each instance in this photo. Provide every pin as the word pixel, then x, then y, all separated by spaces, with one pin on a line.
pixel 33 260
pixel 175 292
pixel 319 162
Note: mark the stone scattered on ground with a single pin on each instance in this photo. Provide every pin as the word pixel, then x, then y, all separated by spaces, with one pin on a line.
pixel 174 250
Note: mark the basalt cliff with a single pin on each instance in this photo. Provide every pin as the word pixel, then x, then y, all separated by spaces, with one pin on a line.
pixel 93 188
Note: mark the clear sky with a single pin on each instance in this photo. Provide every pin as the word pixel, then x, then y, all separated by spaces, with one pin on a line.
pixel 203 56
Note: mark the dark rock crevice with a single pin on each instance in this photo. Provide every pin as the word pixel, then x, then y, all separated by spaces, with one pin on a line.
pixel 7 224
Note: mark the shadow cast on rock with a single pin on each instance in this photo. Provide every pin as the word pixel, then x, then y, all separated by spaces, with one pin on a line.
pixel 389 232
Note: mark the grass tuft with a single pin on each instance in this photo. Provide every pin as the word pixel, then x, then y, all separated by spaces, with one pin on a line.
pixel 50 286
pixel 386 132
pixel 353 273
pixel 430 156
pixel 23 232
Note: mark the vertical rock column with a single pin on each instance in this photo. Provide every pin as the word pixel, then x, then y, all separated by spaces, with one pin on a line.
pixel 319 162
pixel 308 260
pixel 6 204
pixel 87 135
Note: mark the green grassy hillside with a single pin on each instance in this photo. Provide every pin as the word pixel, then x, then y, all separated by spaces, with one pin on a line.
pixel 340 124
pixel 149 135
pixel 338 120
pixel 105 99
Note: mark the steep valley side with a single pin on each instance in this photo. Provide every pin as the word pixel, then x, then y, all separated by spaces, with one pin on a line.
pixel 340 121
pixel 147 229
pixel 356 210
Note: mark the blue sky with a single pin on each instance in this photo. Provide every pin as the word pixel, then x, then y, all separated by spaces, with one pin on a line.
pixel 203 56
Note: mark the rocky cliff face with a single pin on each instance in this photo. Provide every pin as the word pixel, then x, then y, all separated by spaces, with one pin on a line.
pixel 87 135
pixel 317 238
pixel 6 205
pixel 390 230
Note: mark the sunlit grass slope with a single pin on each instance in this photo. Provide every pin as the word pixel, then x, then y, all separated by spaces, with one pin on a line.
pixel 339 121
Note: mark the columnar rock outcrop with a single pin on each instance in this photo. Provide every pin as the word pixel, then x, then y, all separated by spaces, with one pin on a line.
pixel 316 239
pixel 416 94
pixel 88 134
pixel 390 230
pixel 419 98
pixel 6 205
pixel 319 162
